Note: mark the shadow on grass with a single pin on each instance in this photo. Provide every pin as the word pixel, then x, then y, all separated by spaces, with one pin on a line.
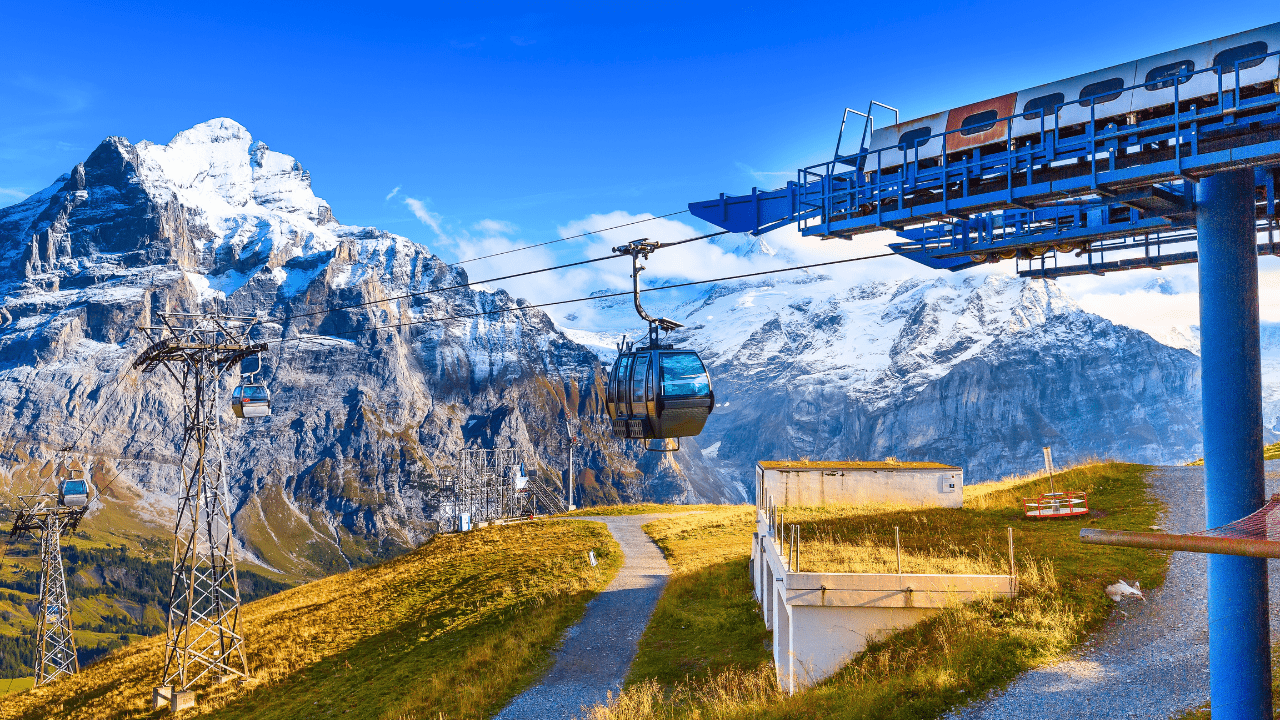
pixel 474 671
pixel 706 621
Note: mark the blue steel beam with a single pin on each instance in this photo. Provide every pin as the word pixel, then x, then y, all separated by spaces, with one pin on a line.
pixel 1231 381
pixel 758 212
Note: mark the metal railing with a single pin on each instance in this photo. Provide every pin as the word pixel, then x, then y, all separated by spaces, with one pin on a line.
pixel 846 195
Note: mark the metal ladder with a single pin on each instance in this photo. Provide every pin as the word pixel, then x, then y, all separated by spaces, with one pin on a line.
pixel 550 501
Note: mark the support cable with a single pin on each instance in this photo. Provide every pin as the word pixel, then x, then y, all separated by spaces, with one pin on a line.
pixel 335 308
pixel 610 295
pixel 571 237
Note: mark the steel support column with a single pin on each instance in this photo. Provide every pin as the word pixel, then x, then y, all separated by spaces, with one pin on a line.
pixel 1231 377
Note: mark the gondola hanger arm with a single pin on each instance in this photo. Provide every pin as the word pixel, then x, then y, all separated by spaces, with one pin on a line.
pixel 638 249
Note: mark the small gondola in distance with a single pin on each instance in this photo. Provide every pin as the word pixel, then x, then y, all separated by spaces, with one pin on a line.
pixel 73 492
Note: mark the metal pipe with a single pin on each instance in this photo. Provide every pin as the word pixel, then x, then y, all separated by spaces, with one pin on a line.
pixel 1231 383
pixel 897 544
pixel 1243 547
pixel 1013 568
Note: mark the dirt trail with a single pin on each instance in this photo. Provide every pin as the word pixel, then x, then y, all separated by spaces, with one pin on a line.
pixel 1152 659
pixel 598 651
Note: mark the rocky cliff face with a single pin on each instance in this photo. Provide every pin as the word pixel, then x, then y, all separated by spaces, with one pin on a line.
pixel 364 420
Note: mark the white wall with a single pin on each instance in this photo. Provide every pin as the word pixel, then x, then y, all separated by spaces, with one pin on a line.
pixel 821 620
pixel 919 487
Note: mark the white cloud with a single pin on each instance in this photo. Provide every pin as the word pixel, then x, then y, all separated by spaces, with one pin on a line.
pixel 772 180
pixel 14 193
pixel 393 192
pixel 495 227
pixel 424 215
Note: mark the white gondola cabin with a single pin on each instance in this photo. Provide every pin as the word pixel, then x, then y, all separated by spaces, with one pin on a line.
pixel 251 401
pixel 73 493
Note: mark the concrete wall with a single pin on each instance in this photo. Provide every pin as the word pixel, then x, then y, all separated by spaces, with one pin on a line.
pixel 821 620
pixel 925 488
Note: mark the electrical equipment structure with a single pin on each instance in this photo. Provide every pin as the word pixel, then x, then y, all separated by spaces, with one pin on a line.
pixel 46 517
pixel 493 484
pixel 203 628
pixel 1117 169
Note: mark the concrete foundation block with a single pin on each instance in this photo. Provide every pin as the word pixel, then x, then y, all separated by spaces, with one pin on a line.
pixel 183 700
pixel 160 696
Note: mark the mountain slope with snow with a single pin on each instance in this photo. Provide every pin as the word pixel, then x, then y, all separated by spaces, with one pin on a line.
pixel 366 421
pixel 980 372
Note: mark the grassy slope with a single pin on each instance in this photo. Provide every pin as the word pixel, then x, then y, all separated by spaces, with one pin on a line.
pixel 1270 452
pixel 105 615
pixel 706 653
pixel 456 627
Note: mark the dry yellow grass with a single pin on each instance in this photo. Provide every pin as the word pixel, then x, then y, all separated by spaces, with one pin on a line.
pixel 457 627
pixel 998 493
pixel 831 555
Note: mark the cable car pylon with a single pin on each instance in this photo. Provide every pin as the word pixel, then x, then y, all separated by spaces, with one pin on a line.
pixel 203 628
pixel 47 517
pixel 656 392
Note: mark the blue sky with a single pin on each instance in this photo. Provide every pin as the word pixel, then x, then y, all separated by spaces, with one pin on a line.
pixel 535 117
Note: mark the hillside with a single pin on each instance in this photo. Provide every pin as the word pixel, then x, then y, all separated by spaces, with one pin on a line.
pixel 457 626
pixel 706 652
pixel 118 577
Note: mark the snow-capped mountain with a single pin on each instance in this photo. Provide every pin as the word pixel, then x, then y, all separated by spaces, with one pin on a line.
pixel 976 371
pixel 979 371
pixel 365 422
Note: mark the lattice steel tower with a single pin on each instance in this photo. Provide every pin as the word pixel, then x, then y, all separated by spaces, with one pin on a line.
pixel 204 598
pixel 46 517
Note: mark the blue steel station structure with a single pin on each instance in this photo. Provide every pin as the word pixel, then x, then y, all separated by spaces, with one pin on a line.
pixel 1170 159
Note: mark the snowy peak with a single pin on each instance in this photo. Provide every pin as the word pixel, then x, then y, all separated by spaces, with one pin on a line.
pixel 217 165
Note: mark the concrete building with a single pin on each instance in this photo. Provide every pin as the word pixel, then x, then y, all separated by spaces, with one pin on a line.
pixel 856 482
pixel 821 620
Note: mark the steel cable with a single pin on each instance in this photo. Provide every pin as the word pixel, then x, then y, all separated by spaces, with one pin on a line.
pixel 571 237
pixel 610 295
pixel 475 282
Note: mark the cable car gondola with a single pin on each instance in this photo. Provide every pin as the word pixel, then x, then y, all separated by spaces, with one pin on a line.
pixel 656 392
pixel 74 491
pixel 249 399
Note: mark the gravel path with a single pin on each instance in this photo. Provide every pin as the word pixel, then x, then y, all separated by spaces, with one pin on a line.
pixel 598 651
pixel 1152 662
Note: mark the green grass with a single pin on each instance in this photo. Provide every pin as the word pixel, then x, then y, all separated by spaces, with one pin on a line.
pixel 707 619
pixel 16 685
pixel 455 628
pixel 705 653
pixel 1270 452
